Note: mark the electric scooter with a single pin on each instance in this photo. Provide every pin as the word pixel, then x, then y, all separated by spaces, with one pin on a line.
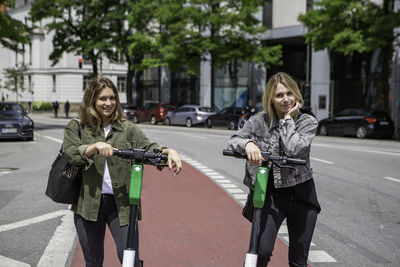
pixel 260 190
pixel 138 157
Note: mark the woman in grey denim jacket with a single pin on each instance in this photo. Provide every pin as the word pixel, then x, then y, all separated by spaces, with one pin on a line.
pixel 291 193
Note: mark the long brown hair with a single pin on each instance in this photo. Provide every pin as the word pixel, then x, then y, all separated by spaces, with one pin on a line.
pixel 270 89
pixel 88 113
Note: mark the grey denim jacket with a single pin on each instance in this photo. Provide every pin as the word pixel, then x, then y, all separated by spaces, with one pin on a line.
pixel 296 137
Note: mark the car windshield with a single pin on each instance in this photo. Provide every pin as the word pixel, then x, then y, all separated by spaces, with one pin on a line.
pixel 10 108
pixel 167 106
pixel 205 109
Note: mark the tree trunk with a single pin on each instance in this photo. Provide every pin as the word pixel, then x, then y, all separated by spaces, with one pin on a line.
pixel 94 68
pixel 386 60
pixel 129 84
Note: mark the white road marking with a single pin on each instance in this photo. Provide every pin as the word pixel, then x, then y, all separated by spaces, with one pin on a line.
pixel 240 196
pixel 228 186
pixel 320 256
pixel 4 172
pixel 224 181
pixel 195 136
pixel 61 244
pixel 41 218
pixel 4 261
pixel 283 229
pixel 235 190
pixel 52 139
pixel 322 160
pixel 392 179
pixel 286 237
pixel 217 177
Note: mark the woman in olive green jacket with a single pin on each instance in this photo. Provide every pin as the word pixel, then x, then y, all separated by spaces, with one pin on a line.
pixel 104 196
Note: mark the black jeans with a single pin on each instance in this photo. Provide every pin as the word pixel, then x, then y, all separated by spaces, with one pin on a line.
pixel 300 223
pixel 91 233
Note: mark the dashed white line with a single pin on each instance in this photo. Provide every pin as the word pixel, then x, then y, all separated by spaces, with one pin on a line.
pixel 320 256
pixel 322 160
pixel 392 179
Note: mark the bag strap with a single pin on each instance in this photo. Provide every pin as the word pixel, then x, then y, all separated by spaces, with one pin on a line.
pixel 79 128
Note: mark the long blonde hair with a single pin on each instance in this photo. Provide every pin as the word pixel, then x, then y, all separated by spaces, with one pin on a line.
pixel 270 89
pixel 88 113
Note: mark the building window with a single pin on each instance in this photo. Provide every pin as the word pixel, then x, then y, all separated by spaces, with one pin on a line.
pixel 86 81
pixel 30 83
pixel 121 83
pixel 54 83
pixel 120 58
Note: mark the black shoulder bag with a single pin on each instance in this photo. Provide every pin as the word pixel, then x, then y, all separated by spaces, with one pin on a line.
pixel 64 183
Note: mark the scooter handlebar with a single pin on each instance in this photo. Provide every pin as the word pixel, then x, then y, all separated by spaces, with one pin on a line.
pixel 140 154
pixel 267 156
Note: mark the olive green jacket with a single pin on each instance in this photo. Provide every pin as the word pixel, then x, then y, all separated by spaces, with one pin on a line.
pixel 122 136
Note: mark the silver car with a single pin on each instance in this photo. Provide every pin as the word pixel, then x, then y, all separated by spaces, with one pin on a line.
pixel 188 115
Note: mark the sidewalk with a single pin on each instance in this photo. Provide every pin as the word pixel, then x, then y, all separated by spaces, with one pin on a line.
pixel 188 221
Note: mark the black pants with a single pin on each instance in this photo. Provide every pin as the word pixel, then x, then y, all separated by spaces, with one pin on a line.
pixel 91 234
pixel 300 223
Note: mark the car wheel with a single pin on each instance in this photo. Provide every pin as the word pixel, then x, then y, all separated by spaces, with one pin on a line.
pixel 209 123
pixel 361 132
pixel 153 120
pixel 323 131
pixel 167 121
pixel 232 125
pixel 241 124
pixel 189 122
pixel 135 119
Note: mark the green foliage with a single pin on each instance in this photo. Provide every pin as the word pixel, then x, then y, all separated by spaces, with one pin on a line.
pixel 14 78
pixel 348 26
pixel 42 105
pixel 12 31
pixel 185 33
pixel 79 27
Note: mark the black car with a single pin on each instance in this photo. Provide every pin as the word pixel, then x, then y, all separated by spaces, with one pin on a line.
pixel 227 117
pixel 14 122
pixel 129 110
pixel 358 122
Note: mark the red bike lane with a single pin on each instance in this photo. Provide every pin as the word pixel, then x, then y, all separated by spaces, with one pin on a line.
pixel 188 221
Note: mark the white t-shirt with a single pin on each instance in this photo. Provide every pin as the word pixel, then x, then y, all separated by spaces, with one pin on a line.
pixel 107 186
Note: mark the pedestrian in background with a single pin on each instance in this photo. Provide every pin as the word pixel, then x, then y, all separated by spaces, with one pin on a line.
pixel 104 196
pixel 283 130
pixel 66 108
pixel 55 108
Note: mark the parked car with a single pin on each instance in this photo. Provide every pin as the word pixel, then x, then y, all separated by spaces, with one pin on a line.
pixel 188 115
pixel 227 117
pixel 15 122
pixel 153 112
pixel 129 110
pixel 358 122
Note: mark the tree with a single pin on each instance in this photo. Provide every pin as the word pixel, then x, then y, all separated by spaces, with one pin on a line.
pixel 222 32
pixel 12 31
pixel 354 26
pixel 79 27
pixel 15 79
pixel 129 24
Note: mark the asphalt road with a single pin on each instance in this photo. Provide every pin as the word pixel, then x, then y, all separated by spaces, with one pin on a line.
pixel 358 184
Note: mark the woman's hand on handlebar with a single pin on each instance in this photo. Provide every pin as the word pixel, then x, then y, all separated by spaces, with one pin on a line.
pixel 174 160
pixel 253 154
pixel 104 149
